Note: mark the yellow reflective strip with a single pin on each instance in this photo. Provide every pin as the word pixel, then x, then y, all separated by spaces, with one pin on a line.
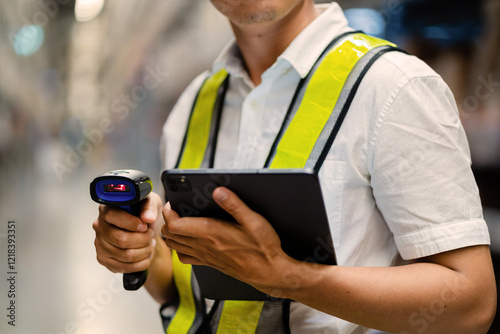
pixel 319 100
pixel 239 317
pixel 201 120
pixel 186 313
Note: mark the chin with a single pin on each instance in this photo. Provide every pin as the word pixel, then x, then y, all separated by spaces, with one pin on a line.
pixel 248 12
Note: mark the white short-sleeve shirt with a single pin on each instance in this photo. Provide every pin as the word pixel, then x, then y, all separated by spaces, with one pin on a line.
pixel 397 181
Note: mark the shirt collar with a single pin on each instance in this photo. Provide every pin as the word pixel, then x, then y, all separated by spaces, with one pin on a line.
pixel 305 49
pixel 230 58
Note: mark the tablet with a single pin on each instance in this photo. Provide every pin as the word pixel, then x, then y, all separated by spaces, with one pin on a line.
pixel 291 200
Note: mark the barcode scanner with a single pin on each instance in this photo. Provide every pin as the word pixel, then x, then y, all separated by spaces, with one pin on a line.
pixel 126 189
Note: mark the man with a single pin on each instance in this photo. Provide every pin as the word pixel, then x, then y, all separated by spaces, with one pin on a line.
pixel 403 207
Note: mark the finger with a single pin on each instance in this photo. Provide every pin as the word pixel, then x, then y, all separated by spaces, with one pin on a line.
pixel 131 255
pixel 186 236
pixel 191 227
pixel 121 238
pixel 174 225
pixel 180 247
pixel 186 259
pixel 114 265
pixel 130 240
pixel 168 213
pixel 121 267
pixel 128 268
pixel 233 205
pixel 122 219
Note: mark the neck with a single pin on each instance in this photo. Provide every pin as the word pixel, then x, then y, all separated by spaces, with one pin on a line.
pixel 261 44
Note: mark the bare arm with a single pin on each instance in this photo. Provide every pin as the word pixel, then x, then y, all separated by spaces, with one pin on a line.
pixel 452 292
pixel 160 283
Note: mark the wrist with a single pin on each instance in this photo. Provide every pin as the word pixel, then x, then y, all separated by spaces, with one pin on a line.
pixel 289 278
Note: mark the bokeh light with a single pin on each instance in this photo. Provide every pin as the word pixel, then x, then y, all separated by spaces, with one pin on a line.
pixel 368 20
pixel 86 10
pixel 28 40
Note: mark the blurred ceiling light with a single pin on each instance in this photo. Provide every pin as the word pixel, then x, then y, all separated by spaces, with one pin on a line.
pixel 86 10
pixel 28 40
pixel 368 20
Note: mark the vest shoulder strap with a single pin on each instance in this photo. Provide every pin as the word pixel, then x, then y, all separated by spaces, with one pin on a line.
pixel 203 126
pixel 313 121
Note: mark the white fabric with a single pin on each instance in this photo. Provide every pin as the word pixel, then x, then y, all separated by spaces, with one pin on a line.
pixel 397 181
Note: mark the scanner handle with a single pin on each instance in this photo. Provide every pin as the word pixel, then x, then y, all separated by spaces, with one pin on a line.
pixel 133 281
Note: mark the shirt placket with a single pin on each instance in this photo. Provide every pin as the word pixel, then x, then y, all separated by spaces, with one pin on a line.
pixel 262 116
pixel 251 114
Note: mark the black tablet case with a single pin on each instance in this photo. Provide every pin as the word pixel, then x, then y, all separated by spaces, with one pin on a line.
pixel 290 200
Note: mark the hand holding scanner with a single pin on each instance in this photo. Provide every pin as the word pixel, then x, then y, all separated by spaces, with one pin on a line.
pixel 125 189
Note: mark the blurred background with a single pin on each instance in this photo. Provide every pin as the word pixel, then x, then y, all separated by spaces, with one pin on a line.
pixel 85 87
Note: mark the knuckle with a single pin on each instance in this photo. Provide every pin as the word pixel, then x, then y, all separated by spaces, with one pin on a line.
pixel 122 239
pixel 95 225
pixel 101 260
pixel 128 255
pixel 255 228
pixel 232 205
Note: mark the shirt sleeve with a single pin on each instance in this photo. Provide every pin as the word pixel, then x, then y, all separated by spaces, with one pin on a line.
pixel 421 172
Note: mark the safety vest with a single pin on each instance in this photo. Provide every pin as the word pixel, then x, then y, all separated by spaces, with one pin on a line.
pixel 313 119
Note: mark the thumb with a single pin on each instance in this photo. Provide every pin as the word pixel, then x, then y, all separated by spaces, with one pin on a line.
pixel 233 205
pixel 150 208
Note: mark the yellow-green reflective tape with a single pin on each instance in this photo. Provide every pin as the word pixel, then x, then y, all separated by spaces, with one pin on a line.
pixel 239 317
pixel 319 100
pixel 186 313
pixel 150 184
pixel 192 157
pixel 201 120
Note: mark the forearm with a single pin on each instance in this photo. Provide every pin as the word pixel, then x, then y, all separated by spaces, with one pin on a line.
pixel 160 284
pixel 416 298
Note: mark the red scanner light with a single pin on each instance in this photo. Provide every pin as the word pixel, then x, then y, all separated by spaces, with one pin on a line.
pixel 111 188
